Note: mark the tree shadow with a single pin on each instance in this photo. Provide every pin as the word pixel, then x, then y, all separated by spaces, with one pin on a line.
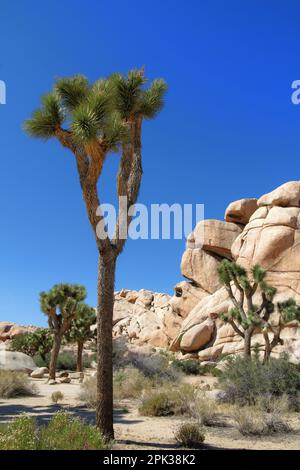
pixel 43 413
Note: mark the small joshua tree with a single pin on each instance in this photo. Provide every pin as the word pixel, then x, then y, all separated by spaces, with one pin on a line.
pixel 61 304
pixel 245 317
pixel 80 331
pixel 38 342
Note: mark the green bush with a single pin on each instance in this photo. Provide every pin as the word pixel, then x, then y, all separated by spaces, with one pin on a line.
pixel 19 434
pixel 61 433
pixel 66 433
pixel 188 366
pixel 66 361
pixel 167 401
pixel 190 435
pixel 38 343
pixel 15 384
pixel 244 380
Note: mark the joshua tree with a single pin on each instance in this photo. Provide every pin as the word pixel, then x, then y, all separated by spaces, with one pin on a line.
pixel 81 331
pixel 38 342
pixel 91 121
pixel 246 317
pixel 61 304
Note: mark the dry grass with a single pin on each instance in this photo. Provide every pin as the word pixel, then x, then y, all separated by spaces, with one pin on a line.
pixel 15 384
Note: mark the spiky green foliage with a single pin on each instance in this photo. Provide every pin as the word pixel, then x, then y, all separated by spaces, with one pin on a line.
pixel 289 310
pixel 97 111
pixel 241 289
pixel 38 342
pixel 46 120
pixel 72 91
pixel 62 301
pixel 152 100
pixel 81 326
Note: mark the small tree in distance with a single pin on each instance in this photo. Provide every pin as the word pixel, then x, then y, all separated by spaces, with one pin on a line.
pixel 61 305
pixel 38 342
pixel 245 317
pixel 80 331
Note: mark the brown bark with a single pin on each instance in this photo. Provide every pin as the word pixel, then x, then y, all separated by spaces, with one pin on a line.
pixel 106 279
pixel 79 366
pixel 54 356
pixel 247 342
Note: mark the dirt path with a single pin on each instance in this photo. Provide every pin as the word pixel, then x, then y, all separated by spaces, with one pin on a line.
pixel 138 432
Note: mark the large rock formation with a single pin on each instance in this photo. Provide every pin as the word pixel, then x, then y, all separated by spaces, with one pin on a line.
pixel 9 330
pixel 145 317
pixel 264 231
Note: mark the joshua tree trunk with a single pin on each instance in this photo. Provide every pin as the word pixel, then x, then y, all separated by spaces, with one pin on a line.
pixel 247 342
pixel 79 366
pixel 106 280
pixel 54 356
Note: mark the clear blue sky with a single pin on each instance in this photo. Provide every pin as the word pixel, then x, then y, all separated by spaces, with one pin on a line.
pixel 228 130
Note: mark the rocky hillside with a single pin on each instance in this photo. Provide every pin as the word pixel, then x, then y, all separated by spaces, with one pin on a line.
pixel 264 231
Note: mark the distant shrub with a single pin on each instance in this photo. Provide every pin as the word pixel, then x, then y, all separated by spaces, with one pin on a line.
pixel 88 392
pixel 166 401
pixel 15 384
pixel 244 380
pixel 253 422
pixel 188 366
pixel 204 411
pixel 57 396
pixel 66 361
pixel 190 435
pixel 38 343
pixel 130 383
pixel 63 432
pixel 156 366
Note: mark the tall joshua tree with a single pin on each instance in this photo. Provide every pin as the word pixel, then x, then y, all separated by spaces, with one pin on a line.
pixel 91 121
pixel 81 331
pixel 61 304
pixel 245 317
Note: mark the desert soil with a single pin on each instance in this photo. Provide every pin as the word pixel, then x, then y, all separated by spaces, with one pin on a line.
pixel 138 432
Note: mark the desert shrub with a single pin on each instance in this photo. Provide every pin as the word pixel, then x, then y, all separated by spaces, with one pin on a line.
pixel 19 434
pixel 190 435
pixel 38 342
pixel 67 433
pixel 15 384
pixel 167 401
pixel 63 432
pixel 57 396
pixel 130 383
pixel 204 411
pixel 88 392
pixel 254 422
pixel 245 379
pixel 156 366
pixel 66 361
pixel 188 366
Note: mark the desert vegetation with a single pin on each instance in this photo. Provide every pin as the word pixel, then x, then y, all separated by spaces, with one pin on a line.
pixel 63 432
pixel 15 384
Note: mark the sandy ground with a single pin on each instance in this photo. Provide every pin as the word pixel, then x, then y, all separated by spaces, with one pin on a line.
pixel 138 432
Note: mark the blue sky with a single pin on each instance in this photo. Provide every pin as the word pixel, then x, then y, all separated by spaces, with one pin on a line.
pixel 228 130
